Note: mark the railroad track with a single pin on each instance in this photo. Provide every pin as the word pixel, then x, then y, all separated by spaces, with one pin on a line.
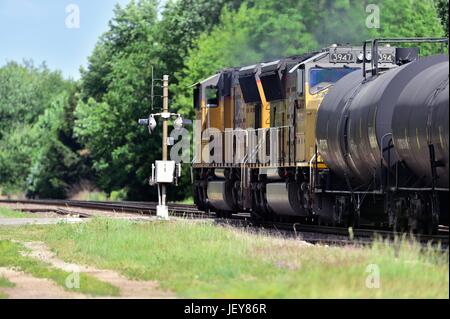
pixel 143 208
pixel 316 234
pixel 311 233
pixel 363 236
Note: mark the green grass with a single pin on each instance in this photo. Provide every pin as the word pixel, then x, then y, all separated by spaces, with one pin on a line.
pixel 10 257
pixel 7 213
pixel 201 260
pixel 5 283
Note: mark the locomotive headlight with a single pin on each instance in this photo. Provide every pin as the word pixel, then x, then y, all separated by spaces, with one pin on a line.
pixel 361 57
pixel 178 123
pixel 369 56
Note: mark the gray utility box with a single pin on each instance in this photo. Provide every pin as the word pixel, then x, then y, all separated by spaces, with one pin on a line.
pixel 165 171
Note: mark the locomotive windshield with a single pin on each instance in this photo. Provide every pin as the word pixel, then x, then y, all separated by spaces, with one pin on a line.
pixel 321 78
pixel 212 96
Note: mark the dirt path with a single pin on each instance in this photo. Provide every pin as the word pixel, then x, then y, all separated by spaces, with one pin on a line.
pixel 29 287
pixel 128 288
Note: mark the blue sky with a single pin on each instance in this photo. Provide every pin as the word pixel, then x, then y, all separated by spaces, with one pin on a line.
pixel 36 29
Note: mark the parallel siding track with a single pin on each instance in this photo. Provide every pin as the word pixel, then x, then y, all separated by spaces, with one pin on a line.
pixel 148 208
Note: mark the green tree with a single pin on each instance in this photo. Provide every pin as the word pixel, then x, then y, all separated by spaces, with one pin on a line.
pixel 409 18
pixel 442 10
pixel 42 158
pixel 25 92
pixel 182 23
pixel 264 31
pixel 344 21
pixel 56 164
pixel 132 29
pixel 268 29
pixel 106 117
pixel 16 152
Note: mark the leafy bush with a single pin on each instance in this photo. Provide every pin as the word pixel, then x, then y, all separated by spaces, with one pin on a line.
pixel 118 195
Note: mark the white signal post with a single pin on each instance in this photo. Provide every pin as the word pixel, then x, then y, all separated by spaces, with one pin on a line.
pixel 164 172
pixel 162 210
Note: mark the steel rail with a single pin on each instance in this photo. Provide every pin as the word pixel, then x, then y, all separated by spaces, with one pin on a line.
pixel 128 207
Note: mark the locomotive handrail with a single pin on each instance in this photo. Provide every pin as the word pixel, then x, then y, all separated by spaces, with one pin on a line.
pixel 258 145
pixel 375 42
pixel 313 58
pixel 277 129
pixel 311 175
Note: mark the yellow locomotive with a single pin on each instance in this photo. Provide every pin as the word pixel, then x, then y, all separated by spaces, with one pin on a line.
pixel 255 142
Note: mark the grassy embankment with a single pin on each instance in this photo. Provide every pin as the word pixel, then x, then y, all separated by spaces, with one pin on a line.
pixel 10 257
pixel 203 260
